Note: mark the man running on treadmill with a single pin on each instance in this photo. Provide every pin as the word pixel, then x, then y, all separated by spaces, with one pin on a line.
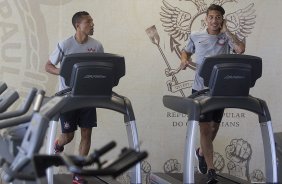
pixel 85 118
pixel 215 40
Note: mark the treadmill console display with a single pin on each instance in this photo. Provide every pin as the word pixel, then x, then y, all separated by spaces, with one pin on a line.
pixel 230 74
pixel 92 73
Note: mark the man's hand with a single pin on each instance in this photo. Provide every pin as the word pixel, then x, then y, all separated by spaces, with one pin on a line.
pixel 50 68
pixel 223 28
pixel 185 59
pixel 238 46
pixel 185 63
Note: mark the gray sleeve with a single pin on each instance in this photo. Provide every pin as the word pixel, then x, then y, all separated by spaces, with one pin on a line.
pixel 190 47
pixel 101 49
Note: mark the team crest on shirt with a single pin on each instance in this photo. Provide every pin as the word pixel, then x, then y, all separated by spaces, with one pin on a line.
pixel 178 23
pixel 221 41
pixel 66 125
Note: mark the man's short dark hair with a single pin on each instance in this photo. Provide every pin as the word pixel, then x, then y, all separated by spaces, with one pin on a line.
pixel 77 17
pixel 217 8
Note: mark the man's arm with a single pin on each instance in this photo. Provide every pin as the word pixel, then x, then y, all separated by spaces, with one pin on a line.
pixel 238 46
pixel 50 68
pixel 185 58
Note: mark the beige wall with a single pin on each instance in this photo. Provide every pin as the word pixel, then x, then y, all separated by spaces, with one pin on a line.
pixel 30 30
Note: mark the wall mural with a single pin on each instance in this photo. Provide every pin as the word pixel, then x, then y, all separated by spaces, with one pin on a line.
pixel 24 49
pixel 238 153
pixel 178 24
pixel 172 166
pixel 23 58
pixel 218 162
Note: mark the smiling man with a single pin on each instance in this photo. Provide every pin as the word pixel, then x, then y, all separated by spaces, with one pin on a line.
pixel 84 118
pixel 215 40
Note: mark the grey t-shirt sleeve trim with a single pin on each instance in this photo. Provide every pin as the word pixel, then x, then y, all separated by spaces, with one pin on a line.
pixel 56 56
pixel 61 50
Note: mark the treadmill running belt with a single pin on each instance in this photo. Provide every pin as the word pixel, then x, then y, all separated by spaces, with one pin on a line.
pixel 177 178
pixel 67 178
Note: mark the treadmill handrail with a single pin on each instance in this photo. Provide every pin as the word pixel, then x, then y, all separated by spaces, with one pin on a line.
pixel 115 102
pixel 202 104
pixel 63 92
pixel 182 104
pixel 249 103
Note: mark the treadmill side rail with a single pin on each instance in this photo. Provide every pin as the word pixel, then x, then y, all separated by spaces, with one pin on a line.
pixel 133 141
pixel 269 152
pixel 191 135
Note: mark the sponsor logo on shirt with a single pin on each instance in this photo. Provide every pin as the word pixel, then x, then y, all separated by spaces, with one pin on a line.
pixel 206 41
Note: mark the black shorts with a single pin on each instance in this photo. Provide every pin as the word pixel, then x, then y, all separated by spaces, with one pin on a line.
pixel 215 116
pixel 84 118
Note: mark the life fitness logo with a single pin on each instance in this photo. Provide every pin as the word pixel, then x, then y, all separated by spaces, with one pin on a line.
pixel 24 44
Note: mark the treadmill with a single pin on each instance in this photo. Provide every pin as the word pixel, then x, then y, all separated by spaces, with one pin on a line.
pixel 278 145
pixel 229 79
pixel 90 77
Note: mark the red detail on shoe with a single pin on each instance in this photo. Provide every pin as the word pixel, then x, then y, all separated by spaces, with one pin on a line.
pixel 78 180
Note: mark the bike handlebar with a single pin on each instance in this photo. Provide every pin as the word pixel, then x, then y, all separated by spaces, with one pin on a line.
pixel 75 164
pixel 7 99
pixel 10 119
pixel 3 87
pixel 24 108
pixel 126 160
